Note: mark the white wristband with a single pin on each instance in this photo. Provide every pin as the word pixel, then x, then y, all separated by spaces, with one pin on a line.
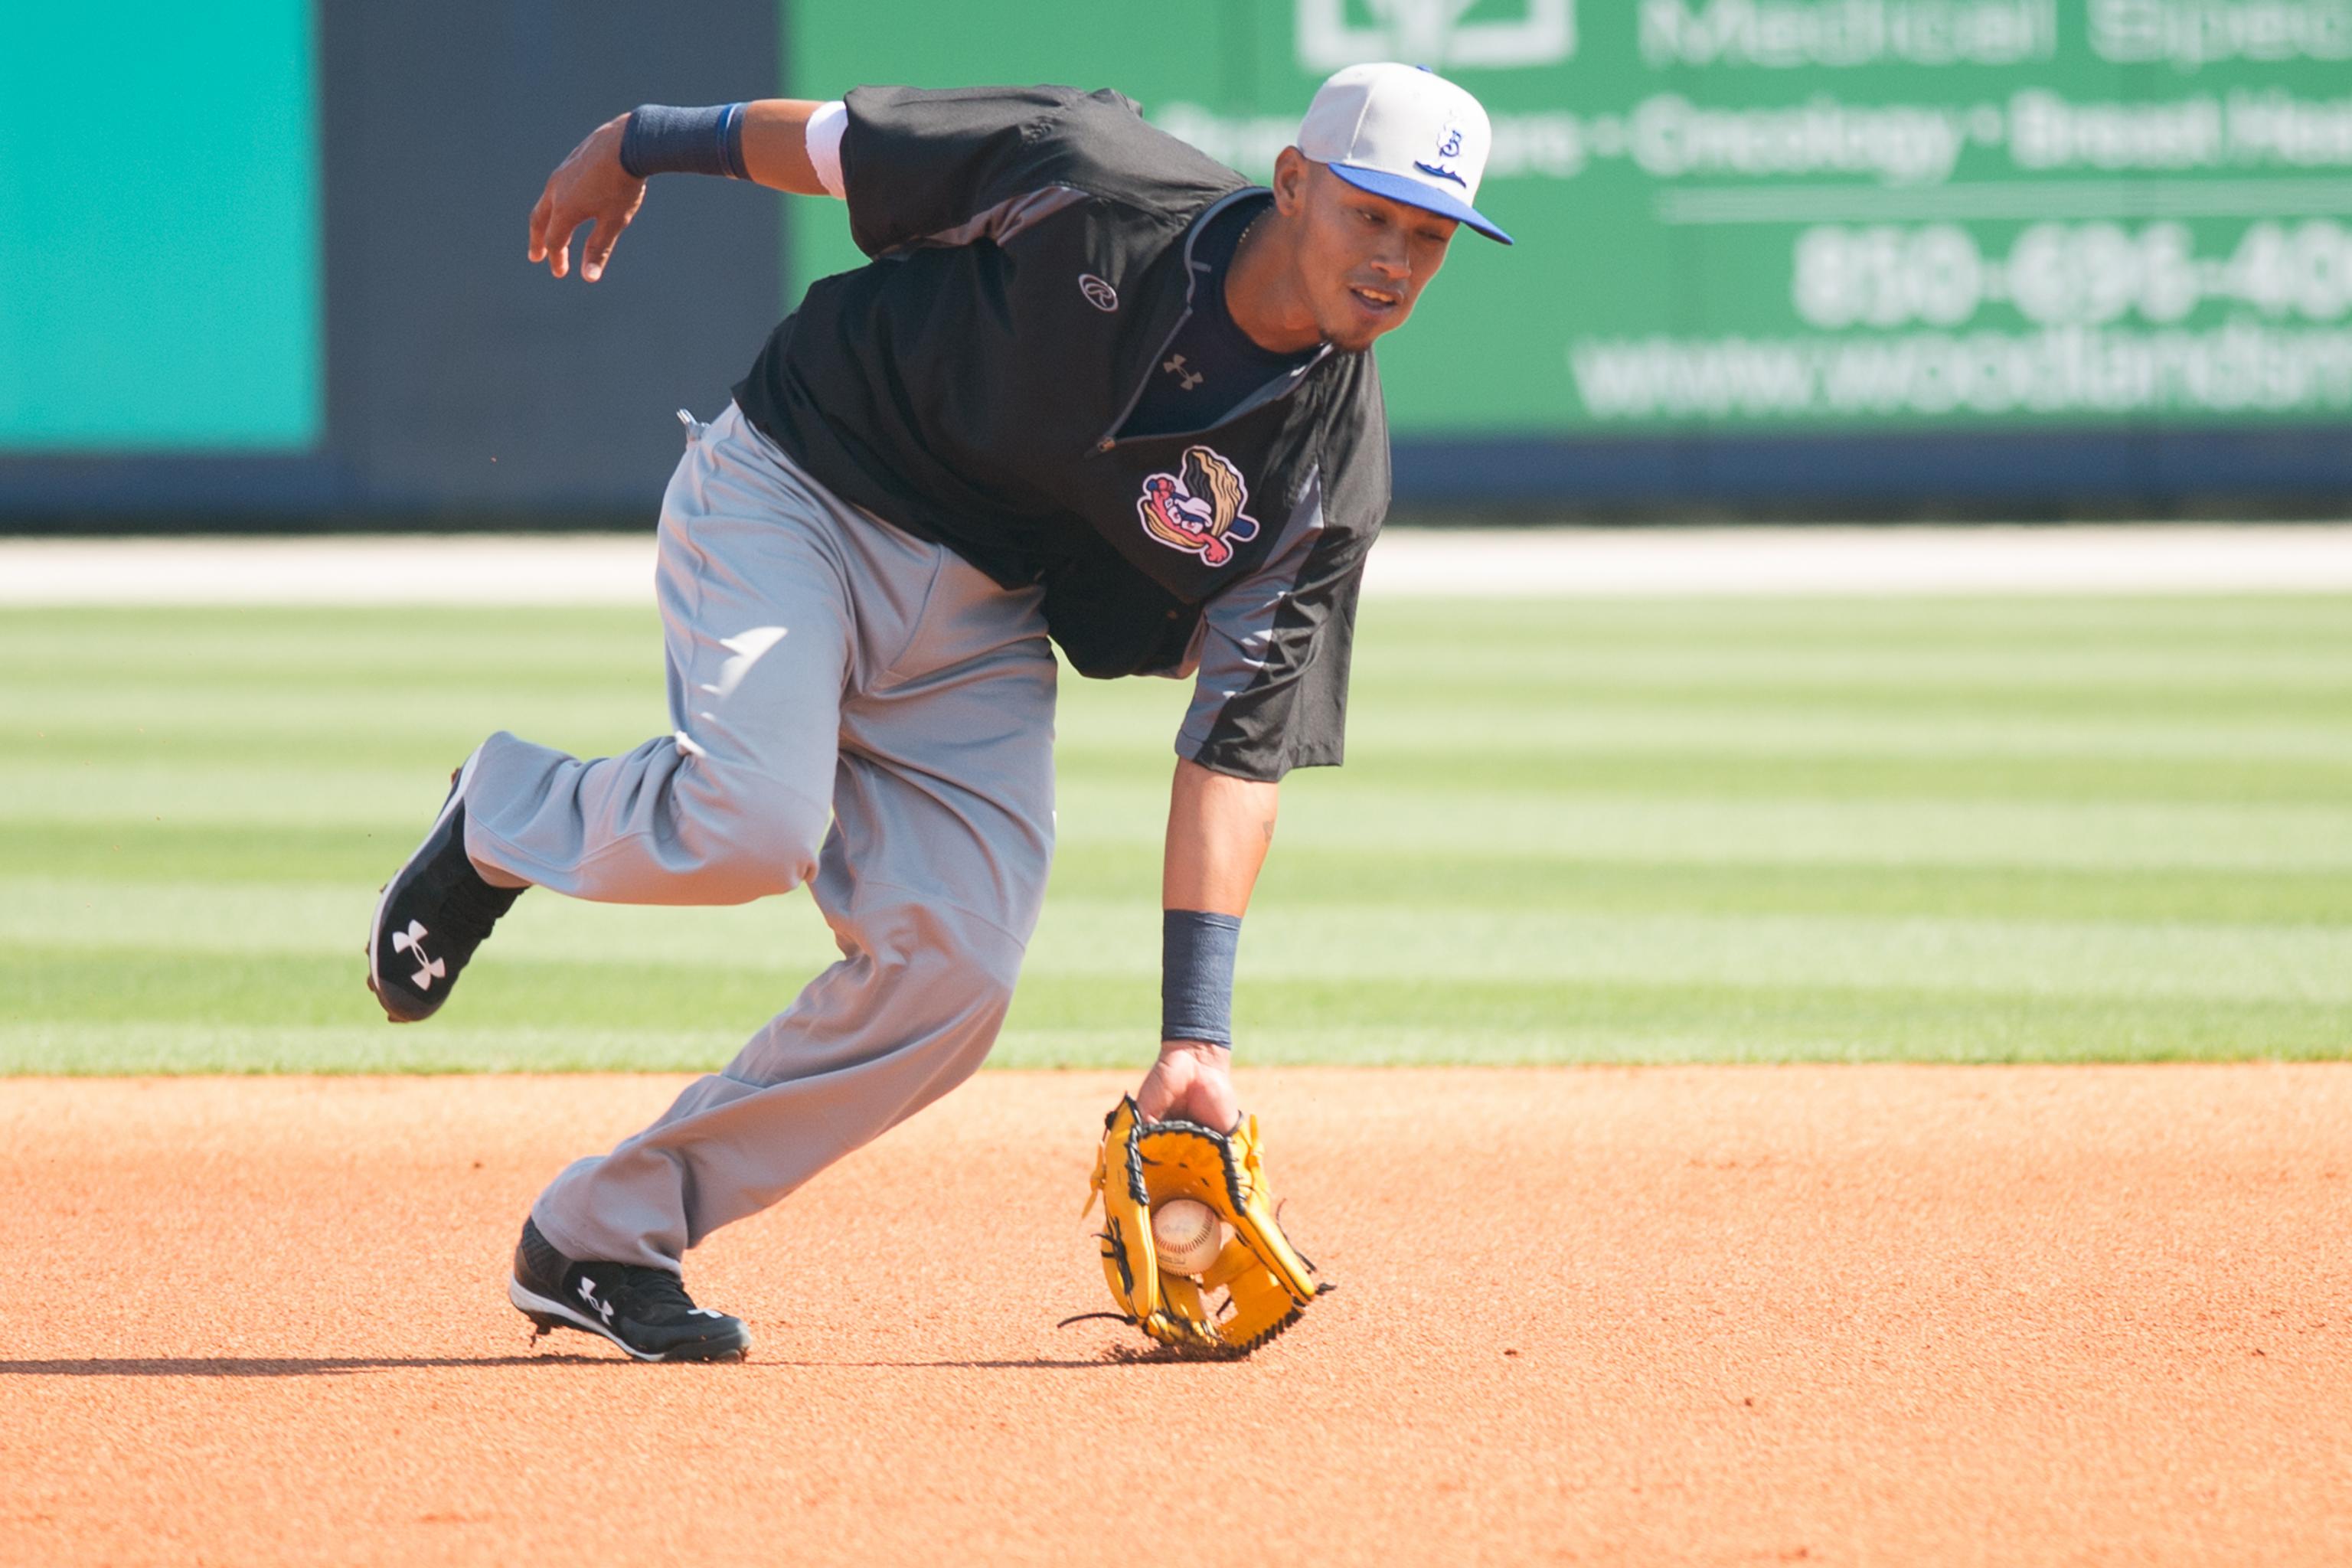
pixel 824 129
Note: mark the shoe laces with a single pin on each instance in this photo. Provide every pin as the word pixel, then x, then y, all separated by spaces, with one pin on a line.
pixel 653 1295
pixel 472 906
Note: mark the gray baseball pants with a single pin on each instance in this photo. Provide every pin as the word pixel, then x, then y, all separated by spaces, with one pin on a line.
pixel 856 709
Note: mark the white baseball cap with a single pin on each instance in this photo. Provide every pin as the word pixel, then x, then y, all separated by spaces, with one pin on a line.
pixel 1403 132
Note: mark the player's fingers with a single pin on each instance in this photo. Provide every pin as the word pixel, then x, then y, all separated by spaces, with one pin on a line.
pixel 559 243
pixel 1211 1104
pixel 539 226
pixel 599 249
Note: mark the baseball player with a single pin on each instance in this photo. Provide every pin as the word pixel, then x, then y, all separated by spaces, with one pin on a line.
pixel 1092 386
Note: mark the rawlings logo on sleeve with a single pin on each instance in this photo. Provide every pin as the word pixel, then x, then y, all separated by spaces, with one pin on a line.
pixel 1198 509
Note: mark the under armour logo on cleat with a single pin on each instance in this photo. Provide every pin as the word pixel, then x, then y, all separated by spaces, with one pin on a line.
pixel 1187 379
pixel 588 1294
pixel 412 941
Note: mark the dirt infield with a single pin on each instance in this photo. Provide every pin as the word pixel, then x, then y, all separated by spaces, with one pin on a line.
pixel 1891 1315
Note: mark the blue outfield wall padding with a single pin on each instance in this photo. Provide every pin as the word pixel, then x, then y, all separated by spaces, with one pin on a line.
pixel 461 379
pixel 201 488
pixel 2034 472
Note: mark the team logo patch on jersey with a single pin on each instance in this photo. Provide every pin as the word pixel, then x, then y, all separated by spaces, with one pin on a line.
pixel 1099 294
pixel 1198 509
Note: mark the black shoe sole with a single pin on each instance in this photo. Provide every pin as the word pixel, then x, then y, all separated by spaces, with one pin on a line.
pixel 549 1315
pixel 385 997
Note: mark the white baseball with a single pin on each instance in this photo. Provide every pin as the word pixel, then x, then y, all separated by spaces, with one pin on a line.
pixel 1187 1235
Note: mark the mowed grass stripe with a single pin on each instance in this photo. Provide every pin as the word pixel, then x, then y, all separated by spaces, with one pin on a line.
pixel 348 862
pixel 1570 831
pixel 131 722
pixel 115 770
pixel 2052 634
pixel 2100 661
pixel 1071 1023
pixel 1467 948
pixel 1433 815
pixel 1903 709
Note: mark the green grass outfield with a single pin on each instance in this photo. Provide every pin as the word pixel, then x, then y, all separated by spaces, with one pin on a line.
pixel 2021 829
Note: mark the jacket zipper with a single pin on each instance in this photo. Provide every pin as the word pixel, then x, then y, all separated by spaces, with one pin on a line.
pixel 1250 405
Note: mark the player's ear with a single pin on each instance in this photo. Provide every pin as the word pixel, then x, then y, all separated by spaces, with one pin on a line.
pixel 1291 174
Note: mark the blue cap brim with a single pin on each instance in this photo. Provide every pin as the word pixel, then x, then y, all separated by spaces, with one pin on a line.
pixel 1413 193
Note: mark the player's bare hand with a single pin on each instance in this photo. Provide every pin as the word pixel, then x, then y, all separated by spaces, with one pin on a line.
pixel 1192 1081
pixel 588 187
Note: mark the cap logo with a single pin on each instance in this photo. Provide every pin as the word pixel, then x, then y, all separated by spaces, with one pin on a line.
pixel 1449 145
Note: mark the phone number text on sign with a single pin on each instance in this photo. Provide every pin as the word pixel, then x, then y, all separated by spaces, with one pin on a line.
pixel 2066 274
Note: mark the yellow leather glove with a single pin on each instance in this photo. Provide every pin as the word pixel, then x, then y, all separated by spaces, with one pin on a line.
pixel 1265 1282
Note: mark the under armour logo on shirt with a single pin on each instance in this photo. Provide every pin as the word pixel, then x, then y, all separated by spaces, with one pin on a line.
pixel 1187 379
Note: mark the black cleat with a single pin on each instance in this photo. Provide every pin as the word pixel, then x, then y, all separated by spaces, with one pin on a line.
pixel 433 913
pixel 646 1311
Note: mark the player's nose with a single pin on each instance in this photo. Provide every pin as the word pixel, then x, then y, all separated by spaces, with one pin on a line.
pixel 1393 259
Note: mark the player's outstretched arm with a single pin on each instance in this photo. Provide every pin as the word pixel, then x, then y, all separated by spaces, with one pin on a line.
pixel 765 142
pixel 1219 828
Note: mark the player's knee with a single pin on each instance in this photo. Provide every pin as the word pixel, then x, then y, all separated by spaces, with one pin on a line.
pixel 963 966
pixel 752 836
pixel 986 966
pixel 786 834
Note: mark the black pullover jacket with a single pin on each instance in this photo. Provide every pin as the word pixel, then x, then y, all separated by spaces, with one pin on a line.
pixel 1031 264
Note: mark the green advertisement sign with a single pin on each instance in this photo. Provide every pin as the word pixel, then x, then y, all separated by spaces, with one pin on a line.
pixel 159 271
pixel 1798 215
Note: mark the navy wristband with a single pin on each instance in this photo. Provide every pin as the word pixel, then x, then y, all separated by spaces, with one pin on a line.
pixel 1196 975
pixel 660 139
